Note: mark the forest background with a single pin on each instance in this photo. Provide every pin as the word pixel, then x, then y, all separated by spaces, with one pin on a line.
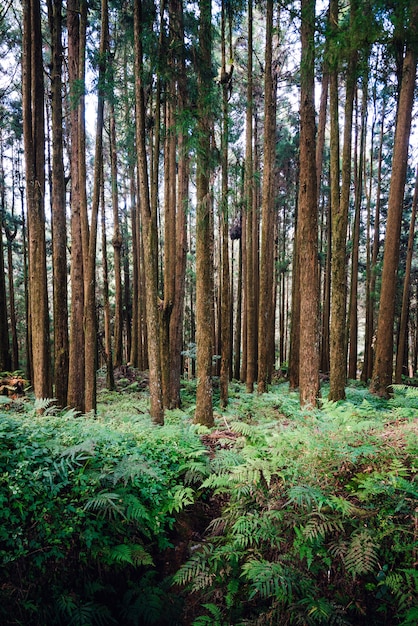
pixel 245 203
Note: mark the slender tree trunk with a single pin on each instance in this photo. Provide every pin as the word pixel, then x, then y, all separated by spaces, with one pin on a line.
pixel 117 239
pixel 110 378
pixel 250 296
pixel 90 320
pixel 149 230
pixel 307 237
pixel 266 312
pixel 177 314
pixel 403 327
pixel 5 356
pixel 34 139
pixel 13 319
pixel 383 366
pixel 204 225
pixel 339 219
pixel 371 291
pixel 76 392
pixel 353 316
pixel 225 334
pixel 59 241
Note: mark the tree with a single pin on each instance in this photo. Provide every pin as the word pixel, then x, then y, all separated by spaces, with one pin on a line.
pixel 266 316
pixel 59 224
pixel 225 331
pixel 383 366
pixel 204 223
pixel 307 235
pixel 403 325
pixel 76 51
pixel 149 230
pixel 34 140
pixel 250 295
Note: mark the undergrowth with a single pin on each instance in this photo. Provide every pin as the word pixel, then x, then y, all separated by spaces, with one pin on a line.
pixel 275 516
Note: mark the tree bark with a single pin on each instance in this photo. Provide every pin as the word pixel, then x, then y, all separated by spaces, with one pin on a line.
pixel 250 297
pixel 383 366
pixel 339 219
pixel 308 220
pixel 59 228
pixel 34 140
pixel 149 230
pixel 266 311
pixel 204 225
pixel 76 391
pixel 403 326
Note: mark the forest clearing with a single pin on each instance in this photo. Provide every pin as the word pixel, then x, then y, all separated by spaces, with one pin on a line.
pixel 274 516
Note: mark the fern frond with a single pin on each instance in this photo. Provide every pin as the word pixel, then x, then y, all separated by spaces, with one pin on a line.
pixel 320 525
pixel 180 498
pixel 268 579
pixel 361 556
pixel 195 570
pixel 107 504
pixel 132 554
pixel 79 453
pixel 306 496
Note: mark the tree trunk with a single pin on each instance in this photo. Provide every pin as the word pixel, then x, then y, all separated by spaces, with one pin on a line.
pixel 34 139
pixel 403 327
pixel 90 320
pixel 339 219
pixel 383 366
pixel 307 236
pixel 149 230
pixel 204 225
pixel 5 356
pixel 225 331
pixel 59 229
pixel 76 395
pixel 117 239
pixel 250 296
pixel 353 312
pixel 266 311
pixel 110 378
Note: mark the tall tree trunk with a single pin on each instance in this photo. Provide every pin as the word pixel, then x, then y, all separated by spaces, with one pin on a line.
pixel 266 312
pixel 117 239
pixel 353 312
pixel 339 218
pixel 110 378
pixel 13 319
pixel 225 331
pixel 90 319
pixel 177 314
pixel 250 296
pixel 76 394
pixel 5 356
pixel 383 366
pixel 59 241
pixel 307 237
pixel 34 139
pixel 149 230
pixel 403 326
pixel 204 225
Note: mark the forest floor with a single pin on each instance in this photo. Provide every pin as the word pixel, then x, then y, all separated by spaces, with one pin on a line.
pixel 274 516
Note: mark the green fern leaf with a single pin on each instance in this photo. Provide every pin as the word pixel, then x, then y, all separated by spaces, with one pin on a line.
pixel 361 556
pixel 107 504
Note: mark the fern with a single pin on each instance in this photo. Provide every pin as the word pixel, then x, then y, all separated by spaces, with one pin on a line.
pixel 361 556
pixel 131 554
pixel 214 619
pixel 180 498
pixel 268 579
pixel 306 496
pixel 319 525
pixel 107 504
